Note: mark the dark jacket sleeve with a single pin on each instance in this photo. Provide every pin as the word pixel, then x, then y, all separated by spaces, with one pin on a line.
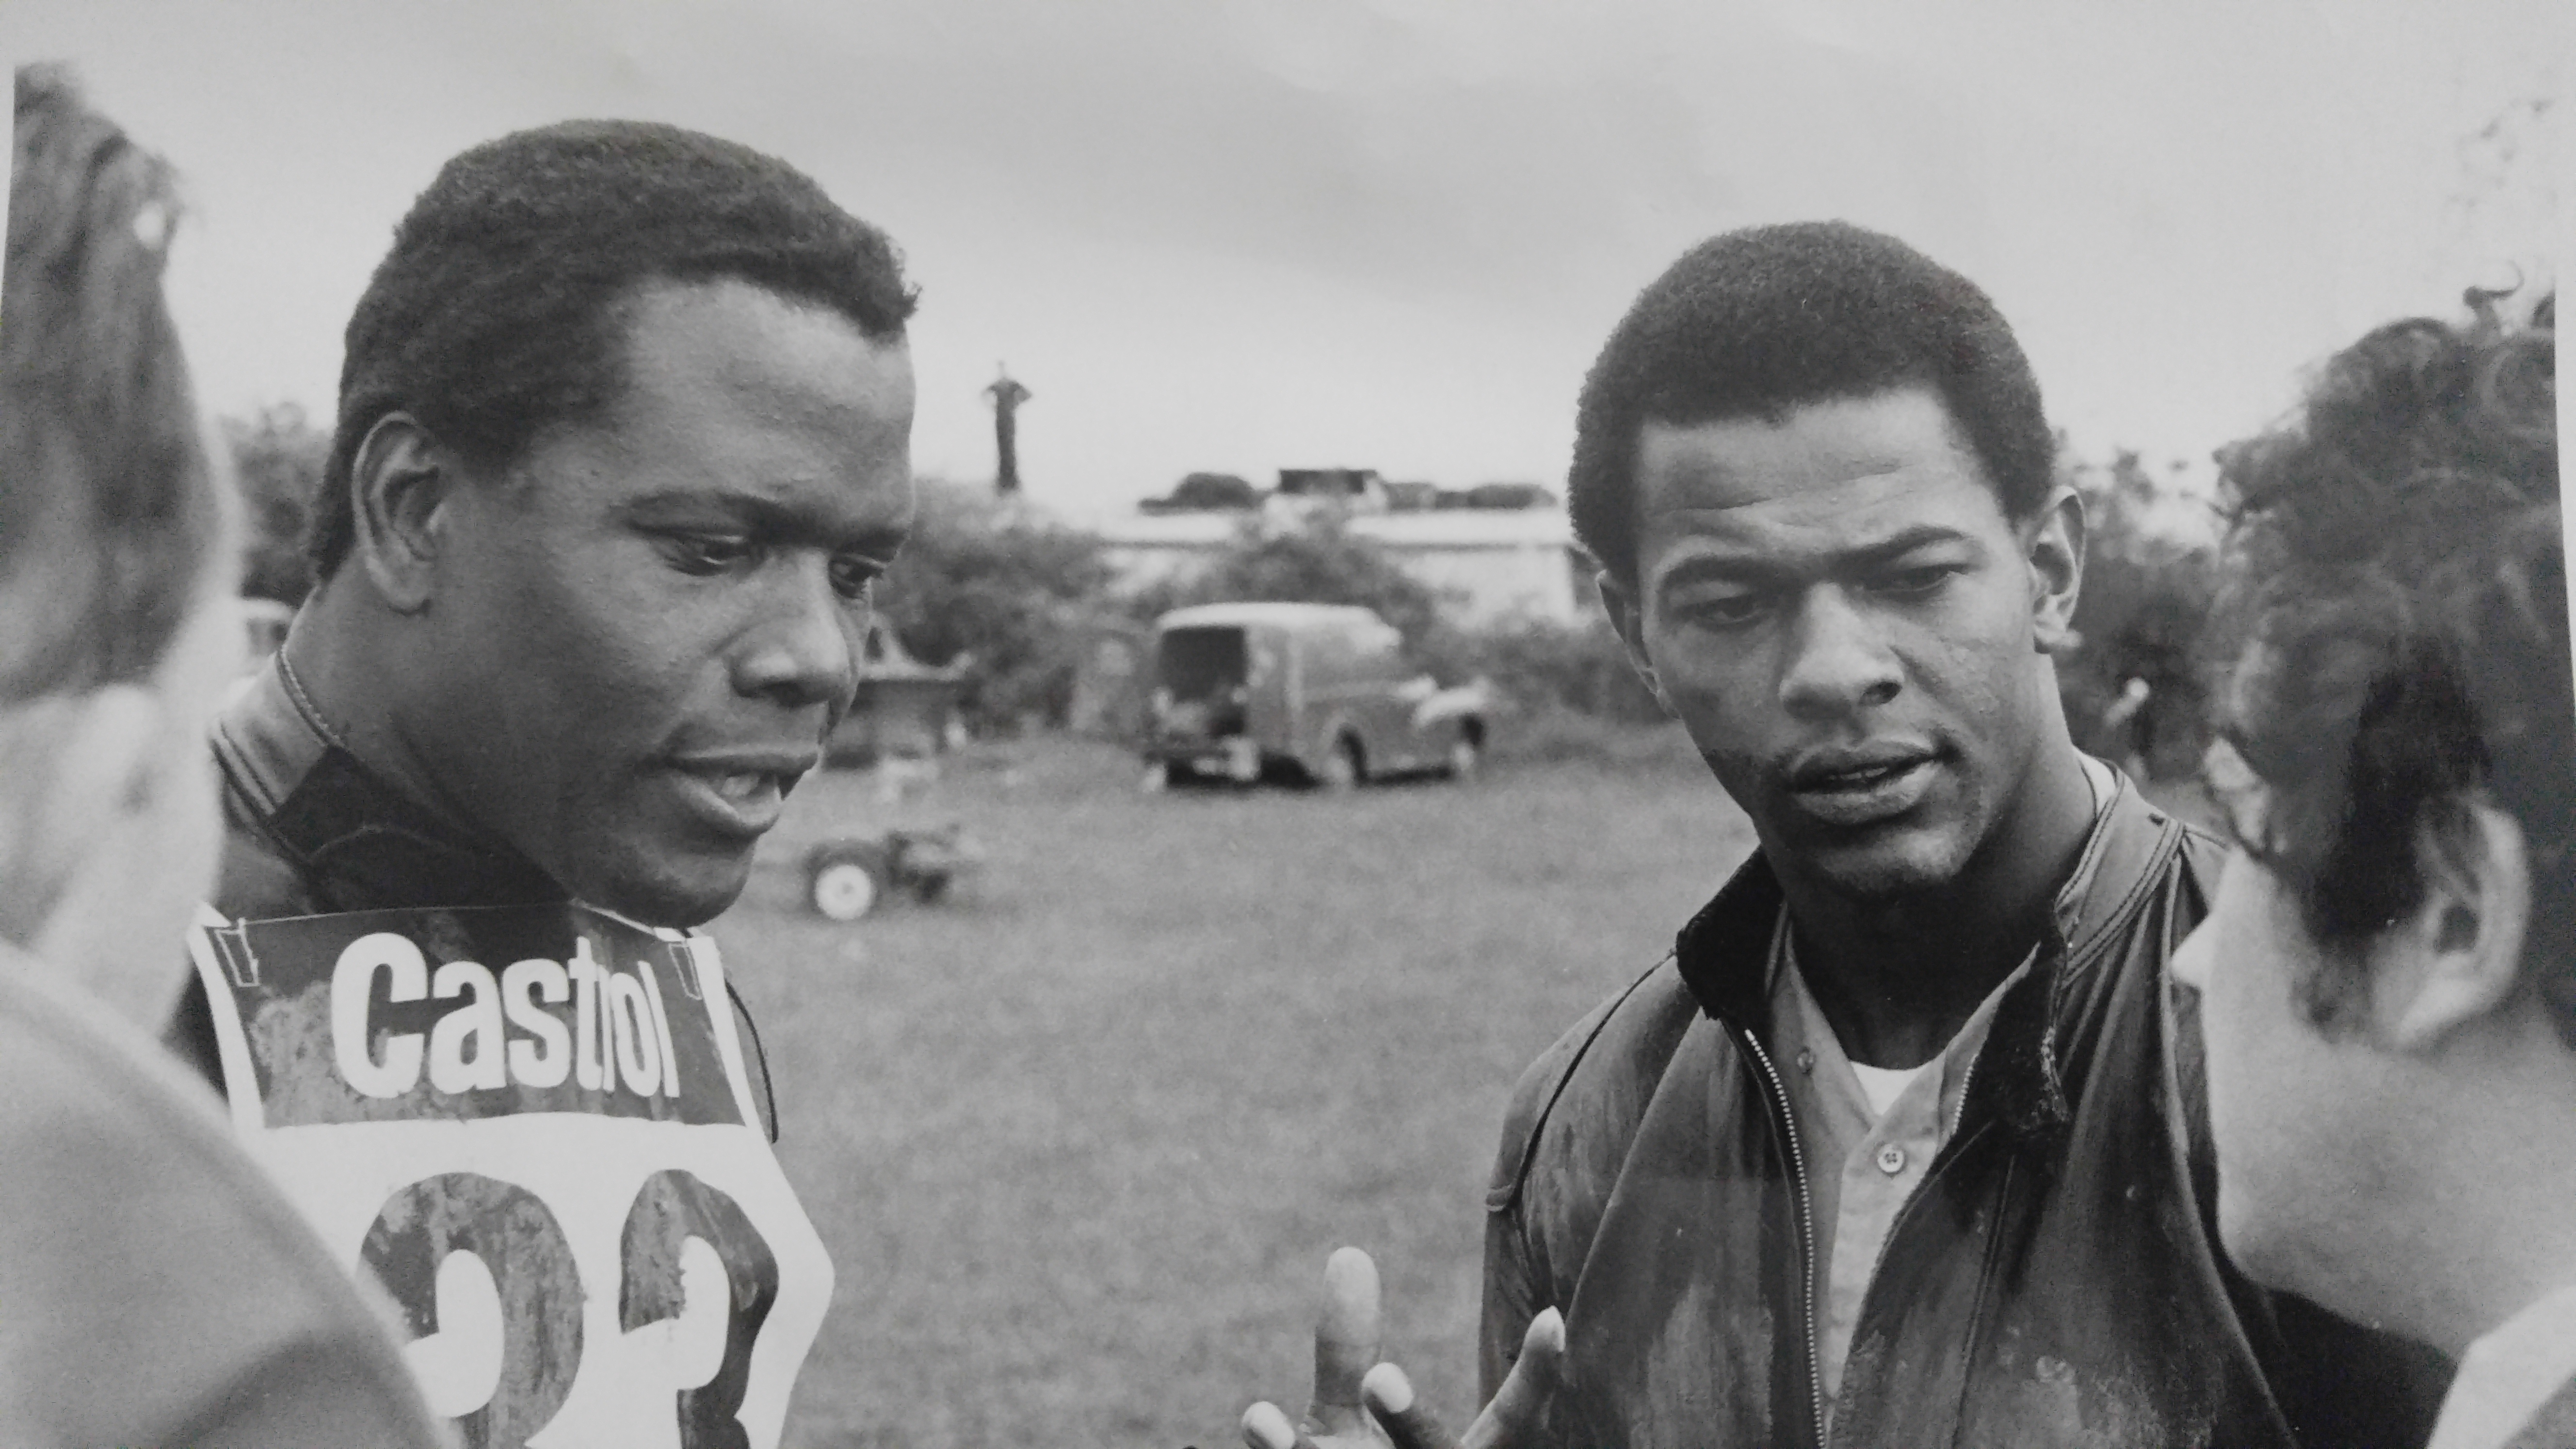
pixel 1514 1291
pixel 1523 1275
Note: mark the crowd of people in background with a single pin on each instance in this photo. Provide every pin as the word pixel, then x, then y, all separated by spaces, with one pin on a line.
pixel 1990 1102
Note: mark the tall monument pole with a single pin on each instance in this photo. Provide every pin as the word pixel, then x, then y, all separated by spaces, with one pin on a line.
pixel 1007 395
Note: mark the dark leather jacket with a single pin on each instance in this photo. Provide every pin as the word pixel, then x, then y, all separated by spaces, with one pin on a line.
pixel 2054 1280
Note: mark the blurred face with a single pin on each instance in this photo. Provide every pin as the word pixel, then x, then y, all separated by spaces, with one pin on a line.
pixel 1838 610
pixel 649 623
pixel 134 824
pixel 2295 1113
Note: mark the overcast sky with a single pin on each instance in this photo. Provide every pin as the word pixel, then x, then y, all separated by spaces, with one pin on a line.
pixel 1390 233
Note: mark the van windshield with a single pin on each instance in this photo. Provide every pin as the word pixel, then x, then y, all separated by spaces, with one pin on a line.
pixel 1204 662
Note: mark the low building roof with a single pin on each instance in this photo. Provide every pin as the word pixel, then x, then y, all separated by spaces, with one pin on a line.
pixel 1274 613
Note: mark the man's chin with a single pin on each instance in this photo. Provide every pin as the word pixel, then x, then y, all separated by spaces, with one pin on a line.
pixel 674 898
pixel 1895 865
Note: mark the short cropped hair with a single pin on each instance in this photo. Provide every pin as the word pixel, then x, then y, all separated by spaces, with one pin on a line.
pixel 109 513
pixel 1758 322
pixel 501 309
pixel 2396 625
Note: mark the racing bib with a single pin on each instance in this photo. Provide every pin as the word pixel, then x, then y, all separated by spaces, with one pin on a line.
pixel 532 1126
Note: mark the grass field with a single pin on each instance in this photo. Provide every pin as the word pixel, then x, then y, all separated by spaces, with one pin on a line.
pixel 1080 1139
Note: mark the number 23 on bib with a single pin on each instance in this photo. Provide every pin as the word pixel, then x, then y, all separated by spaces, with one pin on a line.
pixel 532 1126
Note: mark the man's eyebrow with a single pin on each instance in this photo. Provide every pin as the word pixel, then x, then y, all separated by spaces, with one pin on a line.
pixel 766 517
pixel 1899 544
pixel 1762 568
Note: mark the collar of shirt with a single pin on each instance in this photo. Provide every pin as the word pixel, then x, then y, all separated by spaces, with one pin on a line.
pixel 1868 1164
pixel 361 843
pixel 2507 1375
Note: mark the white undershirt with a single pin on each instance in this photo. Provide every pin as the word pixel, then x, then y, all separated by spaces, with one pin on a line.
pixel 1881 1086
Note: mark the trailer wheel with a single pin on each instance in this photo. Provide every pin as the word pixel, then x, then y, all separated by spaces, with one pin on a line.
pixel 843 885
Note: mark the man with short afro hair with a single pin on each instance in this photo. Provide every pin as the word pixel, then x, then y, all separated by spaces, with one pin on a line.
pixel 623 444
pixel 498 309
pixel 1904 1142
pixel 1809 310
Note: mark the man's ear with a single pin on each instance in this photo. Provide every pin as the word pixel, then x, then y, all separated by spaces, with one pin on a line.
pixel 1628 616
pixel 2053 549
pixel 2457 960
pixel 401 482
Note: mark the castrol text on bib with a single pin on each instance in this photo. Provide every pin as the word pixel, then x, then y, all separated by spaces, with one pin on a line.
pixel 532 1126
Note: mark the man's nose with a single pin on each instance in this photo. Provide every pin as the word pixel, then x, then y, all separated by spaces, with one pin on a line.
pixel 803 649
pixel 1838 660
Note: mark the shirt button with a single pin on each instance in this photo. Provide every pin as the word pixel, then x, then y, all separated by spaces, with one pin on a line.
pixel 1891 1159
pixel 1807 1060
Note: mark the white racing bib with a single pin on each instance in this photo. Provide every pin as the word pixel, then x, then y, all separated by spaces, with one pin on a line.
pixel 532 1126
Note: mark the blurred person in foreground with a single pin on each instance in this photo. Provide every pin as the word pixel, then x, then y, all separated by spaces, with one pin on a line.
pixel 1904 1143
pixel 155 1287
pixel 2389 970
pixel 623 442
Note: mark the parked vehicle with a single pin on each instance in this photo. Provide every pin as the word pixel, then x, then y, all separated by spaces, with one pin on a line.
pixel 1325 690
pixel 904 709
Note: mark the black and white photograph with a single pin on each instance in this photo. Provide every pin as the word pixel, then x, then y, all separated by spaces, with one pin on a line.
pixel 1311 724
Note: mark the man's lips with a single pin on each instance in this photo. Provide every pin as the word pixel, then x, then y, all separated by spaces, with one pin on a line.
pixel 740 792
pixel 1861 785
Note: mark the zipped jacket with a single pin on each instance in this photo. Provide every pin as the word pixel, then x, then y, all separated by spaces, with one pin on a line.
pixel 2054 1280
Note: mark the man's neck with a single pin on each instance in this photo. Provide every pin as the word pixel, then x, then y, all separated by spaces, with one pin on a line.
pixel 2483 1226
pixel 350 682
pixel 1898 977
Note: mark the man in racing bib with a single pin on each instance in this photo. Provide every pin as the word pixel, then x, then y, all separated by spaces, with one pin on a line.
pixel 623 441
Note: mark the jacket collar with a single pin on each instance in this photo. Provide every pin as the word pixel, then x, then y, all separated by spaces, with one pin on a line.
pixel 360 842
pixel 1724 952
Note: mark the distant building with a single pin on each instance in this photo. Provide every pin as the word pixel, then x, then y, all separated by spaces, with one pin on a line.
pixel 1499 563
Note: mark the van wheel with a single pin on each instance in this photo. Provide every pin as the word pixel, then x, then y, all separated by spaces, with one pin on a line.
pixel 1340 772
pixel 843 885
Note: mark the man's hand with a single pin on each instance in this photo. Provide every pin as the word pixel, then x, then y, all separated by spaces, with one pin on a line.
pixel 1361 1403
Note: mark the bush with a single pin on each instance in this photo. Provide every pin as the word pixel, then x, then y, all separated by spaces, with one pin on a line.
pixel 277 459
pixel 2150 572
pixel 1557 736
pixel 1002 589
pixel 1577 668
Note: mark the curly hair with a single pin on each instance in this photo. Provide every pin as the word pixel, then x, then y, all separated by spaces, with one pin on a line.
pixel 2396 626
pixel 501 308
pixel 1756 322
pixel 110 515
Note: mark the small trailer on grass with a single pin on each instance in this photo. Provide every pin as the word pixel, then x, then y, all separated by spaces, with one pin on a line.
pixel 845 879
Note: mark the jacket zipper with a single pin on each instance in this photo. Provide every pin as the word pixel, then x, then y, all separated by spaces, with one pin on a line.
pixel 1806 1234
